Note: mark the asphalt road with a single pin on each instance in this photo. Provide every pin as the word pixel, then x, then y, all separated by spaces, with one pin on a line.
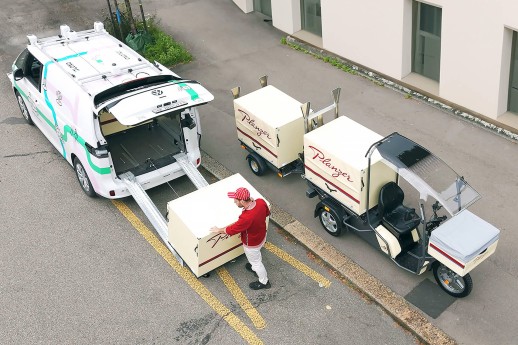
pixel 75 270
pixel 233 48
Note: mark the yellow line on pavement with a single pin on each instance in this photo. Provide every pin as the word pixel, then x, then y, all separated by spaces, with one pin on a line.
pixel 240 297
pixel 184 272
pixel 297 264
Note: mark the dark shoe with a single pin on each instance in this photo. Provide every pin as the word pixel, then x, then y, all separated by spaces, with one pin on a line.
pixel 258 285
pixel 249 268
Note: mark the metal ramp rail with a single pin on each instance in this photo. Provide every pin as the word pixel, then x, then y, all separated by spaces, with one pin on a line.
pixel 146 204
pixel 191 171
pixel 149 208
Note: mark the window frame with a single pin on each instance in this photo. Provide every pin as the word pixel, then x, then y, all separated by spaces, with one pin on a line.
pixel 417 39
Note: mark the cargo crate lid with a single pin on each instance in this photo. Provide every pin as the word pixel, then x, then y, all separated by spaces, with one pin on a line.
pixel 271 105
pixel 346 140
pixel 210 206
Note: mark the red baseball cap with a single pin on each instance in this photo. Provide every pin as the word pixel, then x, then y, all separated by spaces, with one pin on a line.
pixel 241 194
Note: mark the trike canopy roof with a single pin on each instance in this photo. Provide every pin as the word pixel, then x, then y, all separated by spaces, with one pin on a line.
pixel 426 172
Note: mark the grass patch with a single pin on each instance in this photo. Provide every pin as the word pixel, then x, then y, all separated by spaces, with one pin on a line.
pixel 327 59
pixel 164 49
pixel 154 45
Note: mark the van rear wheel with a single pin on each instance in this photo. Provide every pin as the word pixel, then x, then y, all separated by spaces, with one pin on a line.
pixel 330 221
pixel 24 109
pixel 83 179
pixel 454 284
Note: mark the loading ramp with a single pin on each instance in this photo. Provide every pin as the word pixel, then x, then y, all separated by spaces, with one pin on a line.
pixel 149 208
pixel 191 171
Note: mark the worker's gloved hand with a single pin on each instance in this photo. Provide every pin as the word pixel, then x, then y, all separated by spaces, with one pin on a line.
pixel 217 230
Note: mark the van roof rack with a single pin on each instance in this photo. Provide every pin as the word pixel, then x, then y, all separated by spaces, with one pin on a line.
pixel 93 58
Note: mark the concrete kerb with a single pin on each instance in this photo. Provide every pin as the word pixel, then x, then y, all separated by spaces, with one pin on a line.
pixel 403 312
pixel 376 78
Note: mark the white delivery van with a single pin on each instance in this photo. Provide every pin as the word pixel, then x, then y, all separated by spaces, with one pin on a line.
pixel 108 110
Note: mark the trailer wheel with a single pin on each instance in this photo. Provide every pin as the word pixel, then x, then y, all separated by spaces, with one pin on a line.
pixel 330 221
pixel 452 283
pixel 24 109
pixel 256 164
pixel 83 179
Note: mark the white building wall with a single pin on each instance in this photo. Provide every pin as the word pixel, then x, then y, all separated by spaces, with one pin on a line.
pixel 286 15
pixel 476 53
pixel 246 6
pixel 369 33
pixel 475 42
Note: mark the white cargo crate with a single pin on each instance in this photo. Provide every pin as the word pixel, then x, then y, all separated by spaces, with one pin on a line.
pixel 270 122
pixel 463 242
pixel 191 217
pixel 334 160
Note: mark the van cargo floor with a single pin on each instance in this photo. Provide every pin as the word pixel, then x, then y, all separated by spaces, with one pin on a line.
pixel 135 149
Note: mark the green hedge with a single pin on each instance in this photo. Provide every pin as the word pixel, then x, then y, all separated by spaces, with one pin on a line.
pixel 160 46
pixel 164 49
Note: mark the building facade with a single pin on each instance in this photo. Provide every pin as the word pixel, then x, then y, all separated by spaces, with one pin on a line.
pixel 464 52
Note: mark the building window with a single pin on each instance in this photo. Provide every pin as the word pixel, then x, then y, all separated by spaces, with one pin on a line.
pixel 513 78
pixel 426 57
pixel 311 16
pixel 263 6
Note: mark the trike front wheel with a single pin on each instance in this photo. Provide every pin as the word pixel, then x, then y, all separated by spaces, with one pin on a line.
pixel 451 282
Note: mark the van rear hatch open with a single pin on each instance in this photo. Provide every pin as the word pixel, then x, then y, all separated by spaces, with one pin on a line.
pixel 141 106
pixel 145 124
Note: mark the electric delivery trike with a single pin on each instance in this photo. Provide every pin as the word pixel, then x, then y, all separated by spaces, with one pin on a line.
pixel 437 233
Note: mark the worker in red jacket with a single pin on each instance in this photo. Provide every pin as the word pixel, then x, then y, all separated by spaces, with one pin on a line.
pixel 252 227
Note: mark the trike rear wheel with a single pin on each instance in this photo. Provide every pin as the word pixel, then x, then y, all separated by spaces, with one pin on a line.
pixel 330 221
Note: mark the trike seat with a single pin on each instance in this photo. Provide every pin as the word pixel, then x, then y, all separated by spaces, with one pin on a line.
pixel 397 218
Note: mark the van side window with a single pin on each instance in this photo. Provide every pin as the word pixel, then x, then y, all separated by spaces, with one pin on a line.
pixel 20 60
pixel 33 70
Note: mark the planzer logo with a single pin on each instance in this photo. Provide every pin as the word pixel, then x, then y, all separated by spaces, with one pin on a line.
pixel 246 118
pixel 321 157
pixel 217 238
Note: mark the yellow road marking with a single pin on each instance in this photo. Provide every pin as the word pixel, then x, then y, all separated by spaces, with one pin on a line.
pixel 184 272
pixel 240 297
pixel 297 264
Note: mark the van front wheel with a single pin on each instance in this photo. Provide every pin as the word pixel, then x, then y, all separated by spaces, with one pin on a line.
pixel 24 109
pixel 83 179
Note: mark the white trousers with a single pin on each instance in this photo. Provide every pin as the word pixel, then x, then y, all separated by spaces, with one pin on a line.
pixel 255 259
